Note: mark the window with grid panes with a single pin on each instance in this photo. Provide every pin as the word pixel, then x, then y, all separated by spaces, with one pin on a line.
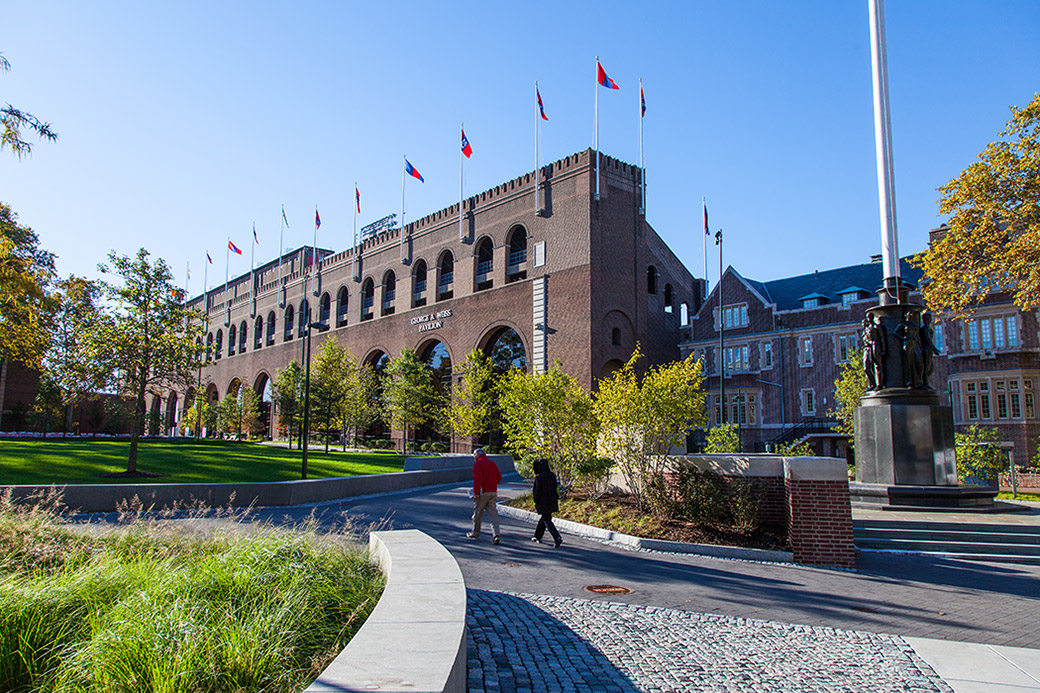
pixel 973 402
pixel 1001 393
pixel 1027 385
pixel 984 399
pixel 1015 399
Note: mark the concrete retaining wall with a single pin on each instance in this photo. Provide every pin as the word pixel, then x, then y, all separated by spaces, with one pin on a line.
pixel 504 462
pixel 415 638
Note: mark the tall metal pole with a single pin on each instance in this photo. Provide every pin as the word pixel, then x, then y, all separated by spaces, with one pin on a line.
pixel 462 127
pixel 404 165
pixel 306 391
pixel 722 326
pixel 883 148
pixel 353 262
pixel 595 121
pixel 281 230
pixel 642 168
pixel 537 127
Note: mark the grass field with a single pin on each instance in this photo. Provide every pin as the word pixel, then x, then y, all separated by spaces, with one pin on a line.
pixel 81 462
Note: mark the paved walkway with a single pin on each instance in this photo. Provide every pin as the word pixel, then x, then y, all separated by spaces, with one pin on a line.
pixel 862 620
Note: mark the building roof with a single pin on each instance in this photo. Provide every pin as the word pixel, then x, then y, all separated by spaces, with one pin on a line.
pixel 788 293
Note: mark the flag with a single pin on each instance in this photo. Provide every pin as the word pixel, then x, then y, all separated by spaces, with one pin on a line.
pixel 603 79
pixel 209 258
pixel 541 108
pixel 466 149
pixel 255 239
pixel 233 248
pixel 642 101
pixel 357 199
pixel 706 220
pixel 284 219
pixel 412 171
pixel 317 220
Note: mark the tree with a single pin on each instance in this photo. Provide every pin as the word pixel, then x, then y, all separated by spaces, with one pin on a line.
pixel 69 363
pixel 470 403
pixel 239 412
pixel 409 393
pixel 328 386
pixel 849 388
pixel 201 415
pixel 26 272
pixel 14 120
pixel 288 397
pixel 979 457
pixel 360 401
pixel 723 439
pixel 147 341
pixel 993 241
pixel 47 405
pixel 642 420
pixel 548 415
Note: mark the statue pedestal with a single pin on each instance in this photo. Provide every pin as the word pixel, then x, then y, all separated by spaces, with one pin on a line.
pixel 905 455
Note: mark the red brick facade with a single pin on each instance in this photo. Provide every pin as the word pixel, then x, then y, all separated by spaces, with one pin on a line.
pixel 820 529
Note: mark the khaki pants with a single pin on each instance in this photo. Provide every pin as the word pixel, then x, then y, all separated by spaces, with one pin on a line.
pixel 488 502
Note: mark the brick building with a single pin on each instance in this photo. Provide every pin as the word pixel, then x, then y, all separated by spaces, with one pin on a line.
pixel 786 340
pixel 580 281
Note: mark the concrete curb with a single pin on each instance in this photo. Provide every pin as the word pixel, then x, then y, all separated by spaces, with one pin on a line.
pixel 415 638
pixel 607 535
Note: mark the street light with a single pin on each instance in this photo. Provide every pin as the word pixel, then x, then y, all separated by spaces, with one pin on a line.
pixel 320 327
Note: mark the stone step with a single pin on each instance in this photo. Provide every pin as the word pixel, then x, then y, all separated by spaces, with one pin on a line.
pixel 948 526
pixel 967 534
pixel 950 547
pixel 997 558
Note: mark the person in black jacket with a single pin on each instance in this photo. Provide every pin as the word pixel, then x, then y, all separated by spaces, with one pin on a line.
pixel 546 502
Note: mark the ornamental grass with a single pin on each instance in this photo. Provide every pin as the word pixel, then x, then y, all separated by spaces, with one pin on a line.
pixel 203 603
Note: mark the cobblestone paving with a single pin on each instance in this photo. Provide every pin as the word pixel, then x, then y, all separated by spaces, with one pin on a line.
pixel 523 642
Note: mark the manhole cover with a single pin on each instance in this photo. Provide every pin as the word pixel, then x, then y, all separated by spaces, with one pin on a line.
pixel 510 564
pixel 607 589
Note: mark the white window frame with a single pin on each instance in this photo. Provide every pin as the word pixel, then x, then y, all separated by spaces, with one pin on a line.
pixel 805 356
pixel 806 397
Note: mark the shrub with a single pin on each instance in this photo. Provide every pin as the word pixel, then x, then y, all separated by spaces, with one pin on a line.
pixel 724 438
pixel 593 474
pixel 979 457
pixel 745 504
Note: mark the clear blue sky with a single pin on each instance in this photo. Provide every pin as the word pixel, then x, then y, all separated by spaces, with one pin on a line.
pixel 183 123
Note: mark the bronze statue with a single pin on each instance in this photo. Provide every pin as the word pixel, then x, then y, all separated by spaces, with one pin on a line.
pixel 929 349
pixel 913 367
pixel 874 351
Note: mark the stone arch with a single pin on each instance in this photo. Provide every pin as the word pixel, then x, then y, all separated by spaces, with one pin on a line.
pixel 218 345
pixel 389 293
pixel 262 386
pixel 233 387
pixel 288 323
pixel 505 345
pixel 271 327
pixel 516 264
pixel 232 339
pixel 342 298
pixel 325 308
pixel 610 367
pixel 212 393
pixel 258 333
pixel 484 264
pixel 622 341
pixel 419 272
pixel 243 337
pixel 368 293
pixel 445 275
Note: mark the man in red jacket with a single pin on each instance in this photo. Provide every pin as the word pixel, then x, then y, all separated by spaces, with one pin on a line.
pixel 485 492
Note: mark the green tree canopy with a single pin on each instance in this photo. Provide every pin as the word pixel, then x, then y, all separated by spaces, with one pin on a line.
pixel 360 401
pixel 409 392
pixel 643 419
pixel 15 120
pixel 849 388
pixel 146 342
pixel 722 439
pixel 288 398
pixel 26 273
pixel 993 243
pixel 470 404
pixel 328 386
pixel 549 415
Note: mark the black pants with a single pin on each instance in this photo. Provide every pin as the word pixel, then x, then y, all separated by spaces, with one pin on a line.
pixel 546 521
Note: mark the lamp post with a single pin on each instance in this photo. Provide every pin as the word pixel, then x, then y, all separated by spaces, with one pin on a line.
pixel 308 326
pixel 722 323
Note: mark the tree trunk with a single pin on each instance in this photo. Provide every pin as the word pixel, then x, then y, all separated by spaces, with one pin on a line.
pixel 135 423
pixel 3 389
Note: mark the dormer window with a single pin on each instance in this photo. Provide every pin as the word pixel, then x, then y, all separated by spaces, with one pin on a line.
pixel 812 300
pixel 851 295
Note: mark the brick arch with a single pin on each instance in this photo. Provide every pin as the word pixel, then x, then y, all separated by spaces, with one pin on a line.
pixel 233 385
pixel 493 330
pixel 617 319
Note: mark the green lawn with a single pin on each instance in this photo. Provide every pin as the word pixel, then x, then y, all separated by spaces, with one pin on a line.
pixel 80 462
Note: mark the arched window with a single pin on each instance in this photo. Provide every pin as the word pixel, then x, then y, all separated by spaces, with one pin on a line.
pixel 419 284
pixel 436 356
pixel 684 314
pixel 445 276
pixel 506 350
pixel 270 328
pixel 367 298
pixel 517 267
pixel 389 293
pixel 219 346
pixel 258 333
pixel 209 347
pixel 651 280
pixel 668 298
pixel 288 323
pixel 324 308
pixel 485 263
pixel 243 337
pixel 615 337
pixel 305 317
pixel 341 307
pixel 231 340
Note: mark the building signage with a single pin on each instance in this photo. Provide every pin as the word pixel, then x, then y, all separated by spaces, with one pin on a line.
pixel 431 321
pixel 377 227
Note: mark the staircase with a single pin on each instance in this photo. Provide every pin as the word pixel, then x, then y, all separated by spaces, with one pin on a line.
pixel 807 426
pixel 966 541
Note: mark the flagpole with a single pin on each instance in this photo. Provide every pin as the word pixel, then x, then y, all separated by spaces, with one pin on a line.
pixel 462 128
pixel 642 168
pixel 537 208
pixel 281 251
pixel 252 270
pixel 883 150
pixel 353 262
pixel 227 265
pixel 404 163
pixel 187 278
pixel 595 120
pixel 314 252
pixel 704 208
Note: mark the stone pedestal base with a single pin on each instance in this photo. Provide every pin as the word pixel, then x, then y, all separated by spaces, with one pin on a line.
pixel 908 442
pixel 933 498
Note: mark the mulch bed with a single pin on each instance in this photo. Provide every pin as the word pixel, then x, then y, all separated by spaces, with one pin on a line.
pixel 579 507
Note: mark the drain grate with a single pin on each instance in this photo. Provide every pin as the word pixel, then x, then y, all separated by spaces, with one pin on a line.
pixel 607 589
